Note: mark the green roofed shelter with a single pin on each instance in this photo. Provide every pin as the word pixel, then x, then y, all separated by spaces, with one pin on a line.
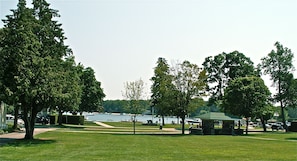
pixel 216 116
pixel 208 127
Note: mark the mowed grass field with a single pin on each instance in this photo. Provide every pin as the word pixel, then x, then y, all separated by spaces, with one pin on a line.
pixel 93 143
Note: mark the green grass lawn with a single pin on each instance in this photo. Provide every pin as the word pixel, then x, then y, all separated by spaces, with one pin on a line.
pixel 85 144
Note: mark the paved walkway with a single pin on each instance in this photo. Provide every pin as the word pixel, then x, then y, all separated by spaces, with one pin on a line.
pixel 5 138
pixel 103 124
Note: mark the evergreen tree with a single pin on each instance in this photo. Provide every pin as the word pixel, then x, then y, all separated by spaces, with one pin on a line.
pixel 161 89
pixel 92 93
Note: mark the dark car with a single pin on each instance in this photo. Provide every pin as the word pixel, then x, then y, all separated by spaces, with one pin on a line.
pixel 42 119
pixel 277 127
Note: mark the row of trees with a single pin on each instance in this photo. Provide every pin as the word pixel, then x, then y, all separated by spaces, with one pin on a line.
pixel 38 70
pixel 120 106
pixel 232 81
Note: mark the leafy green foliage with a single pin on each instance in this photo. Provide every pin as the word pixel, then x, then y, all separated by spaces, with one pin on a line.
pixel 292 113
pixel 291 90
pixel 225 67
pixel 37 68
pixel 195 103
pixel 247 97
pixel 92 93
pixel 22 78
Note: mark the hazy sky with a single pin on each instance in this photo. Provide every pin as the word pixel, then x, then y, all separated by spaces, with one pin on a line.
pixel 122 39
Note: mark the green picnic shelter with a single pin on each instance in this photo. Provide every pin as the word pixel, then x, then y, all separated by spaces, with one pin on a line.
pixel 228 122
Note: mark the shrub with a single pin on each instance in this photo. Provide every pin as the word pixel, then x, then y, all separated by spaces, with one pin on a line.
pixel 73 119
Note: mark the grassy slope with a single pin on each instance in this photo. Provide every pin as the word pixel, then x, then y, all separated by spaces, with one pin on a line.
pixel 92 145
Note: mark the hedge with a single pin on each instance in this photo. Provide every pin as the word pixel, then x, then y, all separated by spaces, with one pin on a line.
pixel 68 119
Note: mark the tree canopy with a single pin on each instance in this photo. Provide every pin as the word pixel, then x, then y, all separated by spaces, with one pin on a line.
pixel 225 67
pixel 37 69
pixel 246 96
pixel 92 93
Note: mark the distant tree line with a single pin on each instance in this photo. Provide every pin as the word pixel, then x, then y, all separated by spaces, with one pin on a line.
pixel 121 106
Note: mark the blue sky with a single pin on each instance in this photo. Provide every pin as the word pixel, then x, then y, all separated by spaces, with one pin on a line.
pixel 122 39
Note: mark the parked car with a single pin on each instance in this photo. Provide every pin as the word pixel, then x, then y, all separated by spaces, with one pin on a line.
pixel 42 119
pixel 10 119
pixel 267 125
pixel 277 126
pixel 252 124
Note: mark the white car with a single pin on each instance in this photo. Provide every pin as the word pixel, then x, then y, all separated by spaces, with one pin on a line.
pixel 10 119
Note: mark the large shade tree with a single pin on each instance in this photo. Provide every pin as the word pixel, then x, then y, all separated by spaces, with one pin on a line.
pixel 21 62
pixel 32 54
pixel 225 67
pixel 279 65
pixel 246 97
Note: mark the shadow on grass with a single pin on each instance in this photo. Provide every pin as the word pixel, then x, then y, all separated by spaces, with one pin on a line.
pixel 294 139
pixel 165 135
pixel 60 126
pixel 25 143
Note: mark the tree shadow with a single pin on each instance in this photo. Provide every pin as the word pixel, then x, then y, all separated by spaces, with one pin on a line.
pixel 294 139
pixel 23 142
pixel 147 134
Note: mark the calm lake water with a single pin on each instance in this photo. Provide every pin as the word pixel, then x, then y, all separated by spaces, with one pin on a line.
pixel 105 117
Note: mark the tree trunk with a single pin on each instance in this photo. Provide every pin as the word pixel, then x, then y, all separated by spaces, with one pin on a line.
pixel 247 126
pixel 283 117
pixel 163 120
pixel 282 105
pixel 29 119
pixel 183 124
pixel 263 124
pixel 134 120
pixel 60 117
pixel 16 114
